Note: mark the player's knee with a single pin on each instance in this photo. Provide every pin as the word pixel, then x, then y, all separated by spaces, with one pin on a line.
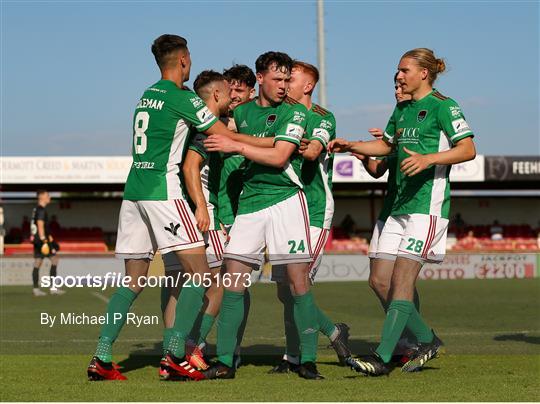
pixel 378 284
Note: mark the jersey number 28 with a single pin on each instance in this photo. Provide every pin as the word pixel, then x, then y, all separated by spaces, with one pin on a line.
pixel 141 124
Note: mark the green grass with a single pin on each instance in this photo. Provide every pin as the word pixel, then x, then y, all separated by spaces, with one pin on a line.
pixel 491 329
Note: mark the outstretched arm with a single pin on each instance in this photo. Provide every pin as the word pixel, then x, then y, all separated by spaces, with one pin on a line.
pixel 219 128
pixel 276 156
pixel 373 148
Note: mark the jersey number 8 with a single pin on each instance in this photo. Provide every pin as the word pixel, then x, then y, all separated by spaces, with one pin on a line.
pixel 141 124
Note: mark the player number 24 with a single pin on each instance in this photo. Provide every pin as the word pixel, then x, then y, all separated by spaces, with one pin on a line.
pixel 141 124
pixel 301 247
pixel 415 245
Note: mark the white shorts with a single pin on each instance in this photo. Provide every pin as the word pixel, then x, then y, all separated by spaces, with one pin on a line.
pixel 374 243
pixel 416 236
pixel 147 226
pixel 214 240
pixel 319 238
pixel 282 228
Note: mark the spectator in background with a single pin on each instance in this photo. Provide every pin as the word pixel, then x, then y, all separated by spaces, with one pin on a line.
pixel 348 225
pixel 458 223
pixel 54 225
pixel 470 242
pixel 496 231
pixel 25 228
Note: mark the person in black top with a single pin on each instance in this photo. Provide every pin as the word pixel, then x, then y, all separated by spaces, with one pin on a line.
pixel 44 244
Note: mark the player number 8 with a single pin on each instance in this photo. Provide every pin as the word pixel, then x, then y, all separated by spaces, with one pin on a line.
pixel 141 124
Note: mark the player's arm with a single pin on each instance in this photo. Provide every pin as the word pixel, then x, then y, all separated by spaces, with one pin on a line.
pixel 323 131
pixel 453 123
pixel 41 229
pixel 464 150
pixel 276 156
pixel 192 175
pixel 375 148
pixel 219 128
pixel 312 151
pixel 375 168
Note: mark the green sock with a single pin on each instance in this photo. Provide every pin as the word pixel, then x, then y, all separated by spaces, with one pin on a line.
pixel 416 300
pixel 167 334
pixel 291 331
pixel 419 328
pixel 326 325
pixel 397 315
pixel 305 317
pixel 188 307
pixel 242 328
pixel 117 310
pixel 206 325
pixel 230 318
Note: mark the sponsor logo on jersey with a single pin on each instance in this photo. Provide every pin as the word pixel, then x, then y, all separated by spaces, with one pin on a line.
pixel 408 135
pixel 326 124
pixel 299 117
pixel 322 133
pixel 460 126
pixel 270 120
pixel 244 124
pixel 173 228
pixel 205 115
pixel 421 115
pixel 197 102
pixel 455 111
pixel 295 131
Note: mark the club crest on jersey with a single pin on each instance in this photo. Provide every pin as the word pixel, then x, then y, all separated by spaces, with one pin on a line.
pixel 270 120
pixel 421 115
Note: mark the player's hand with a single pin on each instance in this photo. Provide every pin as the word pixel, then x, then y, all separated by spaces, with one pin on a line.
pixel 359 156
pixel 202 218
pixel 376 133
pixel 221 143
pixel 414 164
pixel 304 144
pixel 339 145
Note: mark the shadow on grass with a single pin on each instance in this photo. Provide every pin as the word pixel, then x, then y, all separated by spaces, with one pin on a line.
pixel 520 337
pixel 142 357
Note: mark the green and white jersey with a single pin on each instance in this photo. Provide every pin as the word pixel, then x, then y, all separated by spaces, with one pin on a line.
pixel 210 176
pixel 266 186
pixel 317 175
pixel 163 120
pixel 391 188
pixel 430 125
pixel 230 187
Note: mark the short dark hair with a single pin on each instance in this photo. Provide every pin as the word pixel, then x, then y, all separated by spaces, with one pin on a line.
pixel 205 78
pixel 166 46
pixel 41 192
pixel 241 74
pixel 279 59
pixel 395 77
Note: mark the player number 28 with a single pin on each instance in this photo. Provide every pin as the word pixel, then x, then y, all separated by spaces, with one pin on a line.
pixel 141 124
pixel 415 245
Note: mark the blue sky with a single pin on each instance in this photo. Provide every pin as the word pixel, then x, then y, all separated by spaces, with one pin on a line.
pixel 72 72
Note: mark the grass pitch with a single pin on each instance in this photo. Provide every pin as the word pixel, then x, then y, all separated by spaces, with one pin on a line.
pixel 491 329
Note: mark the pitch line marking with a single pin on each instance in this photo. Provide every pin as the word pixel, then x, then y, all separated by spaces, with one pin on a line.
pixel 101 297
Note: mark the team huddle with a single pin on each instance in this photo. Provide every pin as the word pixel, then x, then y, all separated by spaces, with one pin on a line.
pixel 222 178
